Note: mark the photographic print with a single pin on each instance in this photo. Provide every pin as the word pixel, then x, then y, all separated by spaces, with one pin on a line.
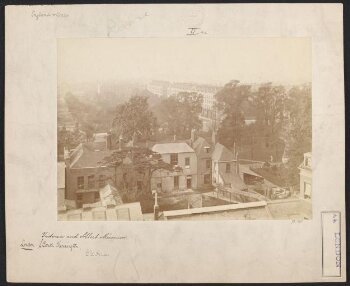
pixel 184 129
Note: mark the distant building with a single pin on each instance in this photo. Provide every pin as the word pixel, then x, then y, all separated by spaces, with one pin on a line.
pixel 209 114
pixel 159 87
pixel 176 154
pixel 306 177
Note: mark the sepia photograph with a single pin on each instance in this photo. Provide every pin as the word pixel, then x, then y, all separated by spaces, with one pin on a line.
pixel 184 129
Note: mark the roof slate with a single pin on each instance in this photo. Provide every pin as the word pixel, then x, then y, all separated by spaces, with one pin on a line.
pixel 222 153
pixel 168 148
pixel 199 147
pixel 88 158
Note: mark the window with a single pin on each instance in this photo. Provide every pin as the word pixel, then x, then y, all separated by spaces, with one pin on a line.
pixel 102 181
pixel 97 195
pixel 208 164
pixel 189 182
pixel 79 197
pixel 228 167
pixel 91 182
pixel 187 161
pixel 207 149
pixel 307 162
pixel 80 182
pixel 307 190
pixel 176 182
pixel 207 179
pixel 159 185
pixel 173 159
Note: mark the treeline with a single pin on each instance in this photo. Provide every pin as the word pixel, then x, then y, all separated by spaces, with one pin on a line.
pixel 281 118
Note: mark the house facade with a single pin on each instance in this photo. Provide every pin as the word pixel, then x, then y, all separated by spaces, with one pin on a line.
pixel 306 177
pixel 225 170
pixel 176 154
pixel 204 163
pixel 86 175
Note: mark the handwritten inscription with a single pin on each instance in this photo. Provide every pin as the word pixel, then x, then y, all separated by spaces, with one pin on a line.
pixel 118 26
pixel 195 32
pixel 91 252
pixel 26 245
pixel 337 249
pixel 331 243
pixel 38 15
pixel 71 242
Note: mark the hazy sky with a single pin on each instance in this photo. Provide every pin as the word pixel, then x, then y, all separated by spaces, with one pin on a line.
pixel 202 60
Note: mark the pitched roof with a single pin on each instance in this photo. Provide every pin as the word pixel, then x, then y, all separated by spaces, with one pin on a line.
pixel 222 153
pixel 199 147
pixel 110 196
pixel 233 179
pixel 87 158
pixel 130 211
pixel 168 148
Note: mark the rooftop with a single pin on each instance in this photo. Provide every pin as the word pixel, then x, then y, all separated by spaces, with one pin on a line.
pixel 252 210
pixel 167 148
pixel 200 146
pixel 124 212
pixel 276 175
pixel 234 179
pixel 282 209
pixel 110 196
pixel 290 208
pixel 86 157
pixel 222 153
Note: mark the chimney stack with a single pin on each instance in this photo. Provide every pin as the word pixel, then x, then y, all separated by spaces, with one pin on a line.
pixel 193 135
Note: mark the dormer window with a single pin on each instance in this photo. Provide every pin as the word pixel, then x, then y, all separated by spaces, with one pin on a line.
pixel 307 162
pixel 207 149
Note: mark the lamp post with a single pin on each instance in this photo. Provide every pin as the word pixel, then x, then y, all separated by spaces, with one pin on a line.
pixel 156 206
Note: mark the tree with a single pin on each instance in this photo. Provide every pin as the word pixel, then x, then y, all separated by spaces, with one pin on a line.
pixel 68 139
pixel 180 113
pixel 134 117
pixel 141 161
pixel 230 101
pixel 297 131
pixel 269 104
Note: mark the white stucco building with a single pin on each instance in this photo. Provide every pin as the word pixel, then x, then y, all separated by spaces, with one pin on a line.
pixel 176 154
pixel 306 177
